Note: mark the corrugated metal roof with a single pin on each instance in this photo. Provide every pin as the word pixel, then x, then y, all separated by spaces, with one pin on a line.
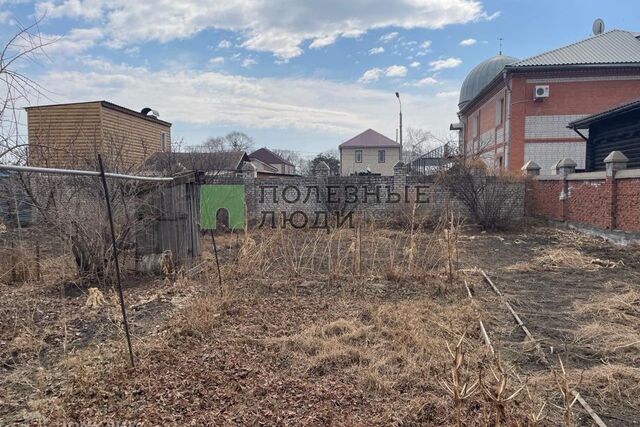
pixel 369 138
pixel 613 47
pixel 208 162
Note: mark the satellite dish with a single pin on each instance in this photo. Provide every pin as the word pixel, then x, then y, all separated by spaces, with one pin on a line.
pixel 598 27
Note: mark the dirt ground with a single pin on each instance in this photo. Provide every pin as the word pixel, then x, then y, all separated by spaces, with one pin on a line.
pixel 303 335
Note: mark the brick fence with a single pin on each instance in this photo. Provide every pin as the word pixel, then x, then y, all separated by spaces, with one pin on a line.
pixel 607 200
pixel 264 195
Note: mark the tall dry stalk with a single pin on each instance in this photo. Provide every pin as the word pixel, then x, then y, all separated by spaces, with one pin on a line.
pixel 498 394
pixel 459 388
pixel 569 397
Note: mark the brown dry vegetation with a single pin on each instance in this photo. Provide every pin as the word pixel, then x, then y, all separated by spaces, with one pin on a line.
pixel 314 329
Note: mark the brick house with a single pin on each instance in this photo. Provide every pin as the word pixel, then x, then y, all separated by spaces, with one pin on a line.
pixel 72 135
pixel 512 111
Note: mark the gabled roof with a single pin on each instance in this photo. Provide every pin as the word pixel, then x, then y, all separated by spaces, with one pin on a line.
pixel 615 47
pixel 207 162
pixel 585 122
pixel 267 156
pixel 369 139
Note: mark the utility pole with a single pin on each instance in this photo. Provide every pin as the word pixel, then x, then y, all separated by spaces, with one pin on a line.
pixel 400 104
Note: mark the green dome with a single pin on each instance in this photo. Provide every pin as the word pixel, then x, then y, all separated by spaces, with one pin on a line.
pixel 481 76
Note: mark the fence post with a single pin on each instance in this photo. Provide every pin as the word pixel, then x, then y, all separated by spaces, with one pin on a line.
pixel 115 259
pixel 531 170
pixel 563 168
pixel 614 162
pixel 399 177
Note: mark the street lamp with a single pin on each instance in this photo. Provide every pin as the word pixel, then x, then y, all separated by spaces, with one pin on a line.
pixel 400 103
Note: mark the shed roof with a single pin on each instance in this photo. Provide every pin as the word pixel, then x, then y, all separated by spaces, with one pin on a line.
pixel 370 139
pixel 207 162
pixel 105 104
pixel 585 122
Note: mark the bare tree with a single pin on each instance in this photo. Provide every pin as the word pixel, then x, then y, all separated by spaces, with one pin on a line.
pixel 233 141
pixel 490 196
pixel 16 88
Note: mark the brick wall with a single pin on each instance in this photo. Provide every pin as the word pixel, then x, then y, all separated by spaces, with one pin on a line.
pixel 259 195
pixel 543 199
pixel 628 204
pixel 593 199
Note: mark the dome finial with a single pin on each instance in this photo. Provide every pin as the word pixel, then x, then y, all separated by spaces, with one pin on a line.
pixel 500 50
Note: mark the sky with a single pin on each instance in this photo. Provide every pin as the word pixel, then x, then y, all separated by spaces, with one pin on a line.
pixel 303 75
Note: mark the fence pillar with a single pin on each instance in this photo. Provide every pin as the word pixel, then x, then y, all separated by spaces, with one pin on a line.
pixel 399 177
pixel 321 170
pixel 563 168
pixel 614 162
pixel 531 168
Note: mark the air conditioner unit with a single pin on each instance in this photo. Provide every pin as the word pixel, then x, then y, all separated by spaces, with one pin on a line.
pixel 541 92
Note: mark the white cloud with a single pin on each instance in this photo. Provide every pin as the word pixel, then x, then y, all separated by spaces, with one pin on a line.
pixel 75 42
pixel 248 62
pixel 218 60
pixel 371 75
pixel 427 81
pixel 133 50
pixel 323 41
pixel 449 94
pixel 5 16
pixel 210 98
pixel 468 42
pixel 260 23
pixel 414 64
pixel 224 44
pixel 376 73
pixel 396 71
pixel 441 64
pixel 376 50
pixel 425 47
pixel 386 38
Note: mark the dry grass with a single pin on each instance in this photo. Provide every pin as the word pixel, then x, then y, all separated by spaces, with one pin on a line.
pixel 560 257
pixel 612 329
pixel 400 352
pixel 608 384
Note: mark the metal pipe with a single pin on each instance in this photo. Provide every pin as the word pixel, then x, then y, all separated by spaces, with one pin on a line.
pixel 55 171
pixel 115 258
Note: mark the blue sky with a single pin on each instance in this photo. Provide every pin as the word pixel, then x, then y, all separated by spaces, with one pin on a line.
pixel 294 74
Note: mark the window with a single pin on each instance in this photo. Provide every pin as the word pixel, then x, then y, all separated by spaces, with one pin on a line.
pixel 476 125
pixel 163 141
pixel 380 156
pixel 358 156
pixel 499 111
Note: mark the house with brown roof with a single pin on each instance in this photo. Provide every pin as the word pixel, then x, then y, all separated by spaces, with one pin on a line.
pixel 72 135
pixel 264 156
pixel 369 151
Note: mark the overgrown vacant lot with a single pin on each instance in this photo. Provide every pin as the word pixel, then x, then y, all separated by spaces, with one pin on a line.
pixel 317 329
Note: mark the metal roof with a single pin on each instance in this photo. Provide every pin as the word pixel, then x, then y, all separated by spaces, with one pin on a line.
pixel 269 157
pixel 369 138
pixel 481 75
pixel 615 47
pixel 208 162
pixel 585 122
